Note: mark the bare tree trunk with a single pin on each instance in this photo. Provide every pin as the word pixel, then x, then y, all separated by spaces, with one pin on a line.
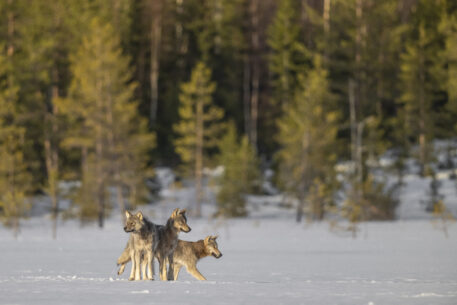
pixel 51 158
pixel 15 226
pixel 300 206
pixel 359 151
pixel 353 119
pixel 217 16
pixel 99 161
pixel 380 85
pixel 255 82
pixel 10 53
pixel 422 118
pixel 199 158
pixel 303 184
pixel 181 43
pixel 326 17
pixel 156 35
pixel 120 200
pixel 16 213
pixel 51 152
pixel 246 94
pixel 10 17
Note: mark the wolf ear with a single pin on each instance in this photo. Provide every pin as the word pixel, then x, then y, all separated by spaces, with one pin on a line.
pixel 139 215
pixel 207 239
pixel 214 237
pixel 128 214
pixel 182 212
pixel 175 213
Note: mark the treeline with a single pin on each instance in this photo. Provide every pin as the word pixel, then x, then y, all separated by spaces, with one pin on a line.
pixel 101 91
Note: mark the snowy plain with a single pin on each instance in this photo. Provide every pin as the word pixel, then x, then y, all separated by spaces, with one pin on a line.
pixel 267 259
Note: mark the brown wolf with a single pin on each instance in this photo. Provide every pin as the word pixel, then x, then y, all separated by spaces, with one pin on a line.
pixel 188 253
pixel 166 240
pixel 141 244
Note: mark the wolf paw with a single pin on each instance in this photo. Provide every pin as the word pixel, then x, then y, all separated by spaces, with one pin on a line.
pixel 131 278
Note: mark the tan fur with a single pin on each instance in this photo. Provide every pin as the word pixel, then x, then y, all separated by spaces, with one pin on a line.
pixel 140 246
pixel 167 240
pixel 188 253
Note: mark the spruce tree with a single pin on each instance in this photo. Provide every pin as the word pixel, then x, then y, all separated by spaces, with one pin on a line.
pixel 14 176
pixel 288 53
pixel 199 125
pixel 416 99
pixel 106 127
pixel 240 176
pixel 307 135
pixel 421 77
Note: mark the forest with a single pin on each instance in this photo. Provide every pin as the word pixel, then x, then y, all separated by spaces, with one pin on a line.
pixel 99 93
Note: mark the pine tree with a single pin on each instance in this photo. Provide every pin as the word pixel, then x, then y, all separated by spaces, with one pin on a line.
pixel 105 125
pixel 416 98
pixel 14 176
pixel 241 173
pixel 307 135
pixel 199 125
pixel 288 53
pixel 421 78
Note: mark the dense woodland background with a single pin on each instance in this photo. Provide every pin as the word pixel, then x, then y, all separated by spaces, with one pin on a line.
pixel 100 93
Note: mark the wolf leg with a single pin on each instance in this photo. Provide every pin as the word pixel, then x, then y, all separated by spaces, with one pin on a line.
pixel 124 259
pixel 121 269
pixel 125 256
pixel 144 265
pixel 195 273
pixel 170 275
pixel 150 263
pixel 132 271
pixel 137 265
pixel 176 269
pixel 163 269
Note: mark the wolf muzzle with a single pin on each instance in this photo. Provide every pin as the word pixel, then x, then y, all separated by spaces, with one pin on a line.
pixel 217 255
pixel 127 231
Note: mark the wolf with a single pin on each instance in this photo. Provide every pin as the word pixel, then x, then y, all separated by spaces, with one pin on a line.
pixel 140 246
pixel 166 240
pixel 188 253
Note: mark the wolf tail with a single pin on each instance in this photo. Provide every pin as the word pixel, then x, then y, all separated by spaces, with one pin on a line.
pixel 125 256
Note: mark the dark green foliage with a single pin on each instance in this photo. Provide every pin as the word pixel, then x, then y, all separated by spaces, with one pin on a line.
pixel 308 138
pixel 240 176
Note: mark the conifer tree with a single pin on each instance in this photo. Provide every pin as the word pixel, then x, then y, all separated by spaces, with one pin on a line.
pixel 14 177
pixel 288 53
pixel 416 97
pixel 106 126
pixel 421 77
pixel 199 125
pixel 241 173
pixel 307 135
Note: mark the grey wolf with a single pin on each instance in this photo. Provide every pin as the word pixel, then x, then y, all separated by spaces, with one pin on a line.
pixel 166 240
pixel 140 246
pixel 188 253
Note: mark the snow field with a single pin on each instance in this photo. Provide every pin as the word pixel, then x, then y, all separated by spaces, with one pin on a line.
pixel 264 262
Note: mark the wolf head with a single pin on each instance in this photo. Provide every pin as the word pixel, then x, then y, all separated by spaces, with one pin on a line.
pixel 211 246
pixel 133 223
pixel 180 220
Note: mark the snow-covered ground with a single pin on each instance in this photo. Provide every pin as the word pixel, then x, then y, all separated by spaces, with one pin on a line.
pixel 265 261
pixel 267 258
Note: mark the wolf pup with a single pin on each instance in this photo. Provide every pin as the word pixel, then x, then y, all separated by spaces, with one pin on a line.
pixel 141 245
pixel 188 253
pixel 166 242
